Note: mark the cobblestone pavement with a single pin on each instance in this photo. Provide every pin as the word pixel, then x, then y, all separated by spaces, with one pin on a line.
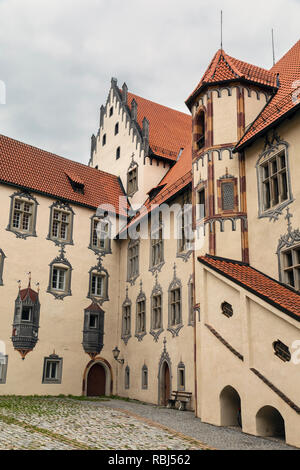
pixel 213 436
pixel 47 423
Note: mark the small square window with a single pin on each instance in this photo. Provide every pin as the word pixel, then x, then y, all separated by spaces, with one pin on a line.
pixel 52 373
pixel 93 320
pixel 26 314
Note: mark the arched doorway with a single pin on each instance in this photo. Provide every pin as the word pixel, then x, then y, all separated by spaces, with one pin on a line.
pixel 230 404
pixel 166 384
pixel 96 381
pixel 269 422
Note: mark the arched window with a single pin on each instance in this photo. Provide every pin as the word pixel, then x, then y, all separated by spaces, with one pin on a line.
pixel 200 130
pixel 104 140
pixel 144 377
pixel 118 153
pixel 117 128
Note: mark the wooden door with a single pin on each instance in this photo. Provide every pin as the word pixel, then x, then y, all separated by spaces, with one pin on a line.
pixel 96 381
pixel 166 384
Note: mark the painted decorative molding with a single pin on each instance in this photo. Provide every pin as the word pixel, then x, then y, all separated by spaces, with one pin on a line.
pixel 191 317
pixel 222 219
pixel 19 233
pixel 223 341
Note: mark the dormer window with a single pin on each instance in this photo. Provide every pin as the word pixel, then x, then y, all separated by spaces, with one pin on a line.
pixel 76 182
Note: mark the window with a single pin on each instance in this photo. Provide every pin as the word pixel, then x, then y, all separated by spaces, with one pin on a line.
pixel 282 351
pixel 132 181
pixel 201 204
pixel 274 180
pixel 61 223
pixel 26 314
pixel 126 319
pixel 60 278
pixel 117 128
pixel 156 311
pixel 100 235
pixel 93 321
pixel 175 304
pixel 227 309
pixel 52 372
pixel 127 377
pixel 181 376
pixel 227 194
pixel 111 111
pixel 144 377
pixel 185 225
pixel 199 131
pixel 2 258
pixel 290 266
pixel 3 368
pixel 175 310
pixel 118 153
pixel 191 301
pixel 157 256
pixel 133 259
pixel 104 140
pixel 141 316
pixel 22 215
pixel 98 283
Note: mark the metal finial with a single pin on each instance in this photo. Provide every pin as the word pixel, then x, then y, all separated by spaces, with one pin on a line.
pixel 221 30
pixel 273 47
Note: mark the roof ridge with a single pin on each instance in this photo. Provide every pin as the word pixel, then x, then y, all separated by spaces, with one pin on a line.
pixel 158 104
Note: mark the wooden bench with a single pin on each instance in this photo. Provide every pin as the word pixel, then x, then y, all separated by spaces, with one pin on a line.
pixel 179 396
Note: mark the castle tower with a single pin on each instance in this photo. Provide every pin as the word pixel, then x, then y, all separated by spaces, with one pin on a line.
pixel 228 98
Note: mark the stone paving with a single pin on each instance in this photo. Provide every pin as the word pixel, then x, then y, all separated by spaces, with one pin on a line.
pixel 56 423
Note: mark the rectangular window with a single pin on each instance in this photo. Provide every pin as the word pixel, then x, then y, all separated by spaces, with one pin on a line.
pixel 274 181
pixel 175 304
pixel 93 320
pixel 60 228
pixel 291 267
pixel 52 372
pixel 100 235
pixel 26 314
pixel 3 368
pixel 141 310
pixel 201 204
pixel 126 319
pixel 22 215
pixel 156 311
pixel 227 196
pixel 157 243
pixel 133 260
pixel 132 183
pixel 97 285
pixel 58 278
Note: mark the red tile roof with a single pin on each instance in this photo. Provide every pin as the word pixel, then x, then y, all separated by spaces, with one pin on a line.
pixel 288 68
pixel 169 130
pixel 225 68
pixel 94 307
pixel 275 293
pixel 32 168
pixel 28 292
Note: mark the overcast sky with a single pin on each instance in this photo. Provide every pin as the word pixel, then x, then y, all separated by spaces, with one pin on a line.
pixel 57 57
